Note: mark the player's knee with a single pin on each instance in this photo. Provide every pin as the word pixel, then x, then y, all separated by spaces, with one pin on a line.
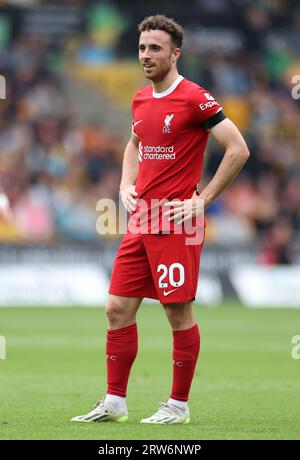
pixel 174 316
pixel 115 312
pixel 179 317
pixel 112 310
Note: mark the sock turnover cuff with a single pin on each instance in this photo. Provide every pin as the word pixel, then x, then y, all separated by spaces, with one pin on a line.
pixel 186 337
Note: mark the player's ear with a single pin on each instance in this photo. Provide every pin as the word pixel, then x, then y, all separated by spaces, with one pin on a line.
pixel 176 54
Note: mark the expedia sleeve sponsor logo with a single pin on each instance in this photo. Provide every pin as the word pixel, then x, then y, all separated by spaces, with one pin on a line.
pixel 207 105
pixel 156 152
pixel 209 97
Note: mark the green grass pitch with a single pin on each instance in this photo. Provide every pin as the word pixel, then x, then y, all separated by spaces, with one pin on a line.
pixel 247 386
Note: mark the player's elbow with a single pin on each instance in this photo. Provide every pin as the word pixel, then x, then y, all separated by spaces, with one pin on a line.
pixel 245 151
pixel 239 152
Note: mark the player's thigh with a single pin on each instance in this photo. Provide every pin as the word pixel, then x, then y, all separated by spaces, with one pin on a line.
pixel 131 275
pixel 175 267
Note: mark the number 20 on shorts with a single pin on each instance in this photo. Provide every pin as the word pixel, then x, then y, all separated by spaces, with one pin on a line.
pixel 171 276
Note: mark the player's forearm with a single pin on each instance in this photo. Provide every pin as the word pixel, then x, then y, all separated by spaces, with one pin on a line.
pixel 233 161
pixel 130 165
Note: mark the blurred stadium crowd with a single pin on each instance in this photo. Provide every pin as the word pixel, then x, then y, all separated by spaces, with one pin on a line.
pixel 55 167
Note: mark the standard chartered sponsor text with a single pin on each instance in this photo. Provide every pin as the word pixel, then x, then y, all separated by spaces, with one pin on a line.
pixel 158 152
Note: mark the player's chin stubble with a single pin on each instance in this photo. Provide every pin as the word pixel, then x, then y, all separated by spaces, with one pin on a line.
pixel 160 75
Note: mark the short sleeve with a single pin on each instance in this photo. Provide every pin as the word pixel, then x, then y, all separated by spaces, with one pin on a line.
pixel 133 130
pixel 132 115
pixel 133 107
pixel 205 110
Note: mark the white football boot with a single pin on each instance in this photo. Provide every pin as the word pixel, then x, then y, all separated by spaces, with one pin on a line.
pixel 103 412
pixel 169 414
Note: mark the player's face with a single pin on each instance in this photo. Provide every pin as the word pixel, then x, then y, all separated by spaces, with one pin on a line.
pixel 157 54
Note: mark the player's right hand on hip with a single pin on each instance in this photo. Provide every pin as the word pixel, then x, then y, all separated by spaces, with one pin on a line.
pixel 128 195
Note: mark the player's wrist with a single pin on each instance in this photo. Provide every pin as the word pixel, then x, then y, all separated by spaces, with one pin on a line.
pixel 207 202
pixel 206 198
pixel 124 187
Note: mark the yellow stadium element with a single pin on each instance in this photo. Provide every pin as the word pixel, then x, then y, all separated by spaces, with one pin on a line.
pixel 9 233
pixel 118 81
pixel 238 110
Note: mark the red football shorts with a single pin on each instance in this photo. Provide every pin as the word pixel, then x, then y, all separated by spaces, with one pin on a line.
pixel 156 266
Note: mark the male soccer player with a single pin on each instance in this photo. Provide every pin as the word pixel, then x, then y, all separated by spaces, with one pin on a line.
pixel 172 118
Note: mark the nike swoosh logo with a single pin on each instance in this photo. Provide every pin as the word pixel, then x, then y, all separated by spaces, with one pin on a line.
pixel 137 122
pixel 169 292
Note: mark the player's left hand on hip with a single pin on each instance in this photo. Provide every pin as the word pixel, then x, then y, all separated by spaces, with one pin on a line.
pixel 5 209
pixel 184 210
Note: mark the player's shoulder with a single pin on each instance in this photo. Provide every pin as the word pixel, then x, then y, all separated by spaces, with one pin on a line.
pixel 193 90
pixel 143 92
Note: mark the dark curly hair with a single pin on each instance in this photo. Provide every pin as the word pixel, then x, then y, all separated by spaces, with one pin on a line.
pixel 162 22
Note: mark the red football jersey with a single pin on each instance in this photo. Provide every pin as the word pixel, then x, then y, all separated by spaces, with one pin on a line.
pixel 172 127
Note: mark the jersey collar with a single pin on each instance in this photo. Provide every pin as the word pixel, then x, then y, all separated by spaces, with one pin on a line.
pixel 170 89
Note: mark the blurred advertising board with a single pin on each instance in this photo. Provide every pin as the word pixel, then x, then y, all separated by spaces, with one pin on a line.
pixel 48 285
pixel 274 286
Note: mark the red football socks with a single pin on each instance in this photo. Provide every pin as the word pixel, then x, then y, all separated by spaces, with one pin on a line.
pixel 186 346
pixel 121 350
